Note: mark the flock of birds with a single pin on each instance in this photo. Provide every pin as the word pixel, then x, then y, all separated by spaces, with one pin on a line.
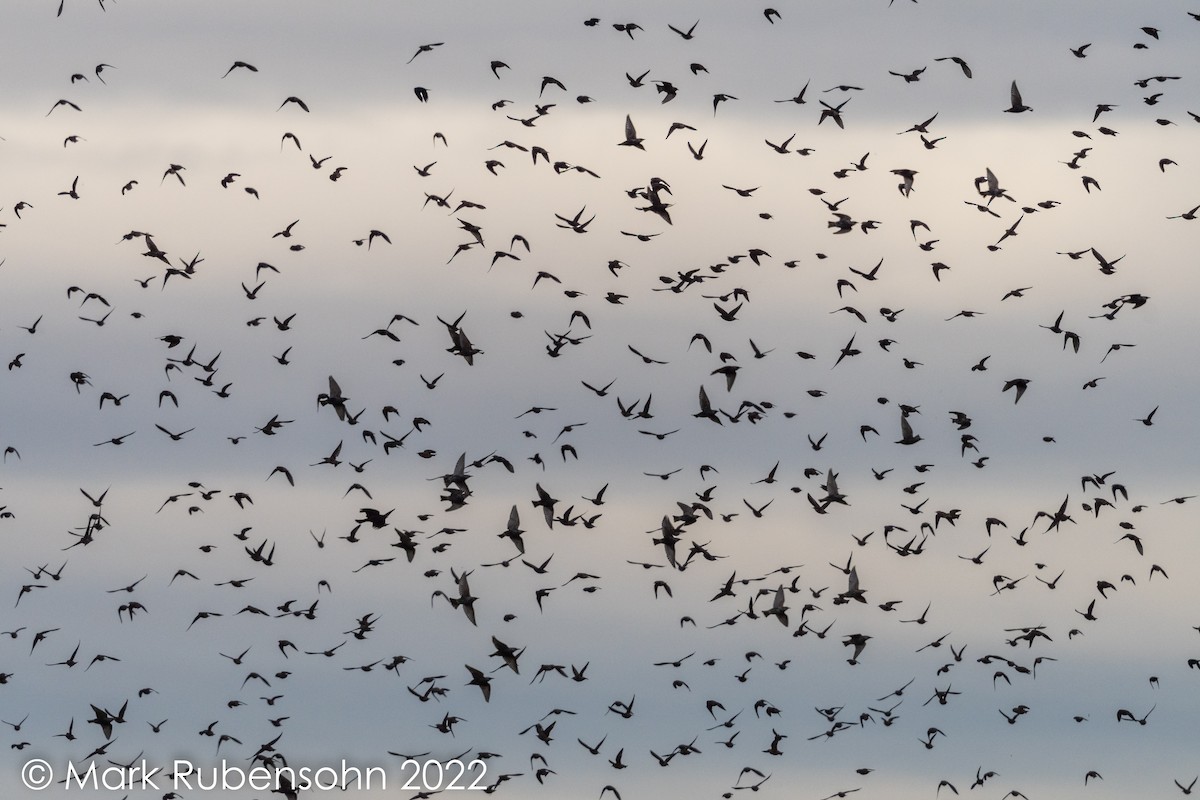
pixel 561 502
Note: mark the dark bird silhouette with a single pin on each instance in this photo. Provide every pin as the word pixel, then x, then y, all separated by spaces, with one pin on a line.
pixel 1016 105
pixel 296 101
pixel 240 65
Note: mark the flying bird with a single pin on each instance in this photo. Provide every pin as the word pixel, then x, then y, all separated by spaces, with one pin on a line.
pixel 1016 105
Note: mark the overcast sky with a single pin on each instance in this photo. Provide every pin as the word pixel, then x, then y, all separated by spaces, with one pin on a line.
pixel 182 235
